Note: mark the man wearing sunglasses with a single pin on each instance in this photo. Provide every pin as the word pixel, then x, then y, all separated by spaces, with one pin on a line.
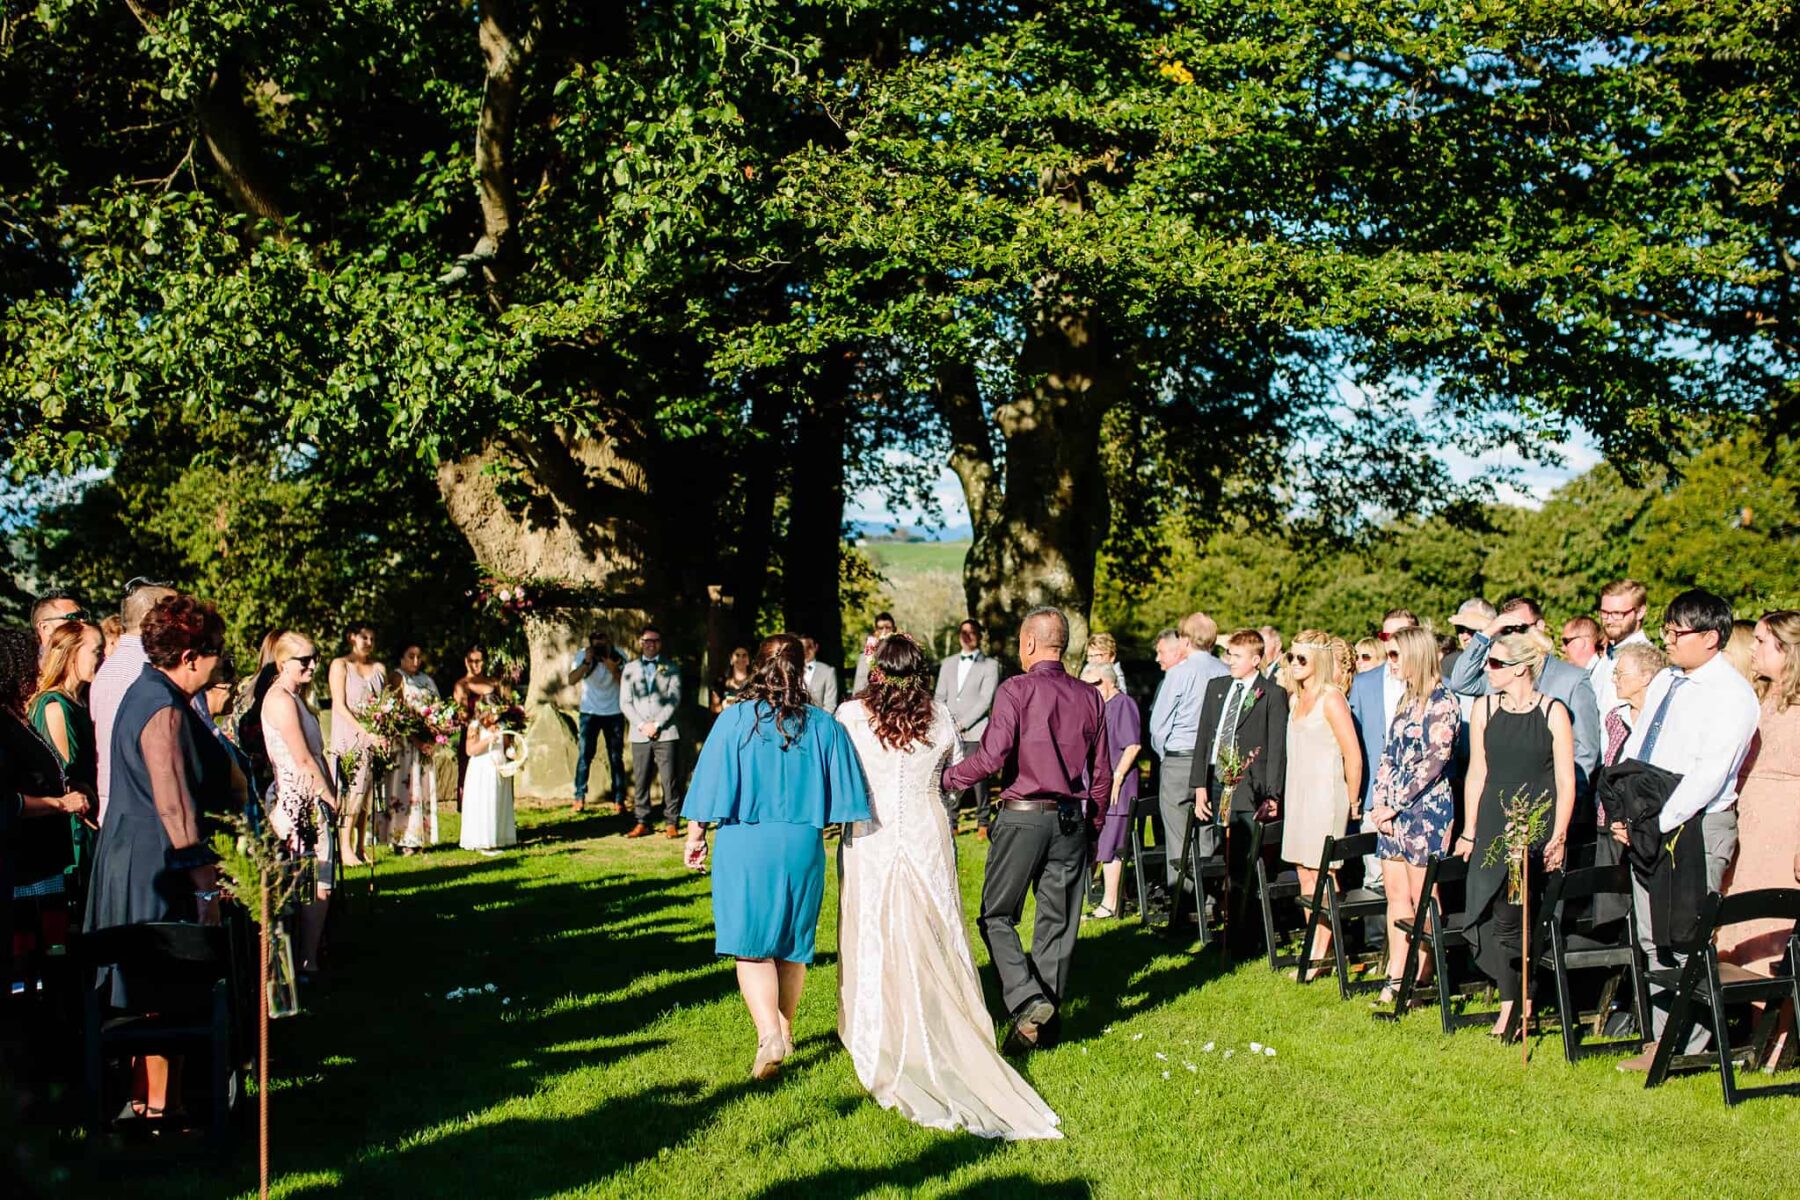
pixel 1701 717
pixel 1561 681
pixel 51 611
pixel 121 669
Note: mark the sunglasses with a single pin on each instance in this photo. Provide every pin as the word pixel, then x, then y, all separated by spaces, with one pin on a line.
pixel 1499 664
pixel 1575 637
pixel 305 660
pixel 77 615
pixel 1298 659
pixel 1393 656
pixel 1365 656
pixel 1509 630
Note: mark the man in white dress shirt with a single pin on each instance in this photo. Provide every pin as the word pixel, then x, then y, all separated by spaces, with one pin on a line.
pixel 966 685
pixel 821 678
pixel 1623 604
pixel 1175 726
pixel 1699 716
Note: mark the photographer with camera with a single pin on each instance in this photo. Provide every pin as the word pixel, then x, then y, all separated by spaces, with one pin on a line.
pixel 596 668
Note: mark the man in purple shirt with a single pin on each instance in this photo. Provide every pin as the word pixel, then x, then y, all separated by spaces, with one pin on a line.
pixel 1047 737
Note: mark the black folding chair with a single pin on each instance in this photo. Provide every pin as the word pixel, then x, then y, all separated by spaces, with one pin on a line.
pixel 1339 907
pixel 184 989
pixel 1705 981
pixel 1567 900
pixel 1144 859
pixel 1270 889
pixel 1440 924
pixel 1202 869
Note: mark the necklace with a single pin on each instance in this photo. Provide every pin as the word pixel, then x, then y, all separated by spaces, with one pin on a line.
pixel 1507 703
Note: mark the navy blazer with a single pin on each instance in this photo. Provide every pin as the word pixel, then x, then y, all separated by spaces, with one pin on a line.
pixel 1368 708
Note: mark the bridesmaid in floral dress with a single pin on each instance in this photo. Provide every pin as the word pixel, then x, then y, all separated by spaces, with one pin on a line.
pixel 1412 806
pixel 412 784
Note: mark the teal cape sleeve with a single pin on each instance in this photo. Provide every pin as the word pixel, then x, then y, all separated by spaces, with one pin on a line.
pixel 745 775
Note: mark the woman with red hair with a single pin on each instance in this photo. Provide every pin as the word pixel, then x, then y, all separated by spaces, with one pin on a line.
pixel 152 861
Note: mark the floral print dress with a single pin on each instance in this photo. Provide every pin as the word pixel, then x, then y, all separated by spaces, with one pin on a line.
pixel 1414 779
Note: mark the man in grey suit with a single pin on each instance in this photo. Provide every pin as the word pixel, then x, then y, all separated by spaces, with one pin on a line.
pixel 1562 681
pixel 966 686
pixel 821 678
pixel 650 696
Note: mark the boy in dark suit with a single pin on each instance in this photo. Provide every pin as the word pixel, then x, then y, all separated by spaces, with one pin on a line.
pixel 1247 710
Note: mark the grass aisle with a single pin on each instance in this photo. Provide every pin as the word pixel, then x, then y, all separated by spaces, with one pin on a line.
pixel 611 1059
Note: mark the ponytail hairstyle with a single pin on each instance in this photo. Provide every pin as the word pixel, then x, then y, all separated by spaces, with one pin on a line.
pixel 899 697
pixel 778 685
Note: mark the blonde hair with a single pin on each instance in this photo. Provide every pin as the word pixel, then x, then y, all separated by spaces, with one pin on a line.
pixel 1420 667
pixel 1371 647
pixel 1105 645
pixel 1633 592
pixel 57 671
pixel 1201 630
pixel 1530 648
pixel 1784 627
pixel 1333 665
pixel 1738 646
pixel 286 645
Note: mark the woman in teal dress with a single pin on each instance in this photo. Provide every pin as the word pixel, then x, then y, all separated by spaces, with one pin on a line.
pixel 774 772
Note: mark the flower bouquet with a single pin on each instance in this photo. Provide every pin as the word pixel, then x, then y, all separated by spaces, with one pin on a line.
pixel 1233 765
pixel 439 720
pixel 389 717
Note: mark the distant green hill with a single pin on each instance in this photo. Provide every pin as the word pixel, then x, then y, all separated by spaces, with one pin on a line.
pixel 898 560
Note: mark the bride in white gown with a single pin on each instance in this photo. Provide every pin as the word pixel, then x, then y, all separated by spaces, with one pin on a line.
pixel 910 1009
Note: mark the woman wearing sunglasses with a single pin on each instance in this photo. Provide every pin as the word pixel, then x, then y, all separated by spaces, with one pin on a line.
pixel 1412 806
pixel 290 731
pixel 1324 760
pixel 1521 746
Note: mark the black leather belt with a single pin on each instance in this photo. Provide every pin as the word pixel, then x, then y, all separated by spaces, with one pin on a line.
pixel 1029 805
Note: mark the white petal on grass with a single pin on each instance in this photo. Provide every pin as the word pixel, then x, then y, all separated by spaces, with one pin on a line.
pixel 1256 1047
pixel 1137 1037
pixel 1207 1049
pixel 1165 1074
pixel 1161 1057
pixel 1269 1051
pixel 1229 1052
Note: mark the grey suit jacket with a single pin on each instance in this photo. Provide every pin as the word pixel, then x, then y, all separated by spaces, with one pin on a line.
pixel 1561 681
pixel 824 686
pixel 650 696
pixel 970 705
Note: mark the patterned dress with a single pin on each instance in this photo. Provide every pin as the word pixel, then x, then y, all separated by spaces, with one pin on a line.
pixel 1414 779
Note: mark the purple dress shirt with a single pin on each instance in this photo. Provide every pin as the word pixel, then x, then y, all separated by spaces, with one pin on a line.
pixel 1047 736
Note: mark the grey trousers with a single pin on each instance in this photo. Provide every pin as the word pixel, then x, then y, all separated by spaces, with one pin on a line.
pixel 648 761
pixel 1176 801
pixel 1720 831
pixel 1029 851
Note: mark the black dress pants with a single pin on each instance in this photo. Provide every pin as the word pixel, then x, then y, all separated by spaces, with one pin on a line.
pixel 1029 851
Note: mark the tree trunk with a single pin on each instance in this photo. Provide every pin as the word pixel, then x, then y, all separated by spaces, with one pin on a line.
pixel 562 512
pixel 812 554
pixel 1041 518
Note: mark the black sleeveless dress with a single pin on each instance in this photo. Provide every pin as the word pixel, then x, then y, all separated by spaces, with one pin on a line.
pixel 1521 757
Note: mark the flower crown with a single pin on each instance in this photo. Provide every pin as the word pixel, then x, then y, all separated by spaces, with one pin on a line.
pixel 880 677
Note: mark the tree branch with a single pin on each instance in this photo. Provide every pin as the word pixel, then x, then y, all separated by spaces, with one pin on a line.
pixel 509 34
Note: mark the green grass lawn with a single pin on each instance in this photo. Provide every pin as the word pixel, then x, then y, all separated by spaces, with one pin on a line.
pixel 619 1068
pixel 897 559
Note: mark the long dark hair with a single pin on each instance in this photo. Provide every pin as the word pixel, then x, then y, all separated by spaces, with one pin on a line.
pixel 898 696
pixel 778 683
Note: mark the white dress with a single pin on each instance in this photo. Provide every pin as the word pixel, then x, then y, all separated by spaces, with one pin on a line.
pixel 487 804
pixel 910 1009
